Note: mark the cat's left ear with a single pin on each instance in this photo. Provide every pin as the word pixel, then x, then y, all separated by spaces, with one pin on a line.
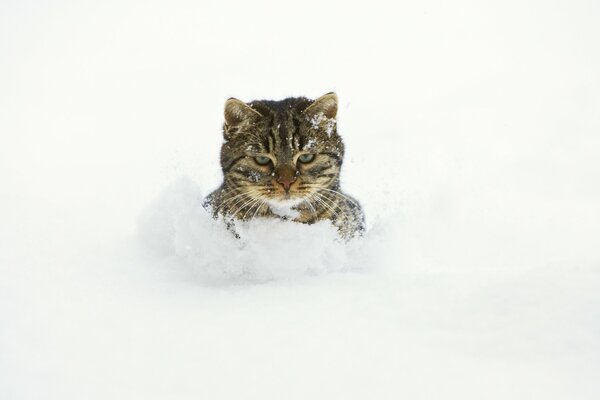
pixel 326 105
pixel 237 112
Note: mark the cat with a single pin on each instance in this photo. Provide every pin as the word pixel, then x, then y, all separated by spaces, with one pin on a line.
pixel 282 159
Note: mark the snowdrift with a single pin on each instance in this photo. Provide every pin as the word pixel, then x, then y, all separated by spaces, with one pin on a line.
pixel 176 225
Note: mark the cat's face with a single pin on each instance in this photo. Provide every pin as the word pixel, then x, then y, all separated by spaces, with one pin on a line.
pixel 281 151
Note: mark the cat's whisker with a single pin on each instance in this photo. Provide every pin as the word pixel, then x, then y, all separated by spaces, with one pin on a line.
pixel 317 200
pixel 262 203
pixel 239 201
pixel 243 204
pixel 243 195
pixel 229 200
pixel 313 210
pixel 246 204
pixel 329 206
pixel 251 207
pixel 341 214
pixel 232 214
pixel 345 196
pixel 344 210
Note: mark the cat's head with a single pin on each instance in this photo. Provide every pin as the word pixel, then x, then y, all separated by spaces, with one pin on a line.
pixel 282 150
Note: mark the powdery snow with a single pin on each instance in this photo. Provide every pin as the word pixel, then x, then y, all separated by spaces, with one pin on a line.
pixel 177 226
pixel 318 119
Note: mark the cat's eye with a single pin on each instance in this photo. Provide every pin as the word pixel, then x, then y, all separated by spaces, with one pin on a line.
pixel 306 158
pixel 261 160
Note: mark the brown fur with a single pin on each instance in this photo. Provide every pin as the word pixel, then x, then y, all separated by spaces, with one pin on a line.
pixel 286 150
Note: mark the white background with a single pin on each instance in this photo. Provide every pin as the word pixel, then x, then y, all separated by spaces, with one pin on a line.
pixel 473 138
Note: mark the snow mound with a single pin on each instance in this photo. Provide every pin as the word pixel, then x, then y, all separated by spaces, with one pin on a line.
pixel 176 226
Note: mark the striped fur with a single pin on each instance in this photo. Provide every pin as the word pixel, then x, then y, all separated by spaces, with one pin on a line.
pixel 284 135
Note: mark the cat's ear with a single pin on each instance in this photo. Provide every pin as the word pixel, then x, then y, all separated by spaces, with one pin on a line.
pixel 326 105
pixel 237 112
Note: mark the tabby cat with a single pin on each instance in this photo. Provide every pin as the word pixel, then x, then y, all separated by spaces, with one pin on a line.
pixel 282 159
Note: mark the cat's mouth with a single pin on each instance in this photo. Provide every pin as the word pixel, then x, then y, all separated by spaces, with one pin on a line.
pixel 295 195
pixel 290 194
pixel 287 196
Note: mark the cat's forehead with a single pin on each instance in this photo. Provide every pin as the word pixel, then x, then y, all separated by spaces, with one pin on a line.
pixel 288 115
pixel 285 127
pixel 281 108
pixel 281 121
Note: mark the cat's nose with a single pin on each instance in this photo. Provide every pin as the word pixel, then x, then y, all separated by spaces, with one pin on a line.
pixel 286 175
pixel 286 182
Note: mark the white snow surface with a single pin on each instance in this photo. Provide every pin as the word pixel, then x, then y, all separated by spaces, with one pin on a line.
pixel 472 141
pixel 176 225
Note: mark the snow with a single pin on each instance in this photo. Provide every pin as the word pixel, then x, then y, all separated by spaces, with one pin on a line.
pixel 285 208
pixel 176 226
pixel 254 176
pixel 318 119
pixel 472 142
pixel 310 144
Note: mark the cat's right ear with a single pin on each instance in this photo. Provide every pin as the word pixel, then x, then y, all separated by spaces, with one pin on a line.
pixel 326 105
pixel 237 112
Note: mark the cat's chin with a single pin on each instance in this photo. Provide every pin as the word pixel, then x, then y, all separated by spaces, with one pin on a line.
pixel 285 207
